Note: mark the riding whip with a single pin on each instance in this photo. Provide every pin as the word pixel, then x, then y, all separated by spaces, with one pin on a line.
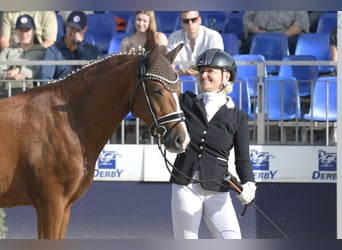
pixel 237 187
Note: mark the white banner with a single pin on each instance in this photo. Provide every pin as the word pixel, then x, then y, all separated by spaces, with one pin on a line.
pixel 270 163
pixel 120 163
pixel 294 163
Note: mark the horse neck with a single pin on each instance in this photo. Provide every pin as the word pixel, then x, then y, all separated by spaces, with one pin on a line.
pixel 100 99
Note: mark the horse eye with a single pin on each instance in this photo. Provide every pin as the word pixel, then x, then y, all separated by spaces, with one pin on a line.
pixel 156 91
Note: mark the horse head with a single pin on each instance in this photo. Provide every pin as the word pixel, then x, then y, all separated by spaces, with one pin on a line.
pixel 161 88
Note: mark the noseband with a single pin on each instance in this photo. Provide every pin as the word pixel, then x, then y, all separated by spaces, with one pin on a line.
pixel 157 127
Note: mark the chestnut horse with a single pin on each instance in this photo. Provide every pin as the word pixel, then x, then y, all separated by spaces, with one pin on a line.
pixel 52 135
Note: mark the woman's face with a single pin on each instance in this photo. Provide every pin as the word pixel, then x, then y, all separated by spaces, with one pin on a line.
pixel 142 22
pixel 211 78
pixel 25 35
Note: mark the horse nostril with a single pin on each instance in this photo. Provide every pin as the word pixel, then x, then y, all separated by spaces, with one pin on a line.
pixel 179 140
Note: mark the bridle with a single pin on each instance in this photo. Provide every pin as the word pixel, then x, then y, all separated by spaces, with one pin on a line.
pixel 157 127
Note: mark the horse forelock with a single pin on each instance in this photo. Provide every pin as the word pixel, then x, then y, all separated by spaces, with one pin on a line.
pixel 160 69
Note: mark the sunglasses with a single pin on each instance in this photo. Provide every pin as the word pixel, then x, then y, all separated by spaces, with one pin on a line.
pixel 187 21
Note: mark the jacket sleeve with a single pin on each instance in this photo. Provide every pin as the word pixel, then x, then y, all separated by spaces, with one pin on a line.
pixel 241 149
pixel 3 57
pixel 88 51
pixel 47 72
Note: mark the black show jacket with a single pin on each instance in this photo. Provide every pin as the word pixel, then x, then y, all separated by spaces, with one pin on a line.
pixel 211 143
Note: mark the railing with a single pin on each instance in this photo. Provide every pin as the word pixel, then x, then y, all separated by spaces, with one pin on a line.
pixel 263 130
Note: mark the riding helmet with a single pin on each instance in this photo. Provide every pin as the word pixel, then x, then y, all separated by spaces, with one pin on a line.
pixel 217 58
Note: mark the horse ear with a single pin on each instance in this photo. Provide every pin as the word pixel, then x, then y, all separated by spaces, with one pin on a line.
pixel 173 53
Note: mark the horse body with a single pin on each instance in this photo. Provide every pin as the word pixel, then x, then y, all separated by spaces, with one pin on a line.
pixel 51 136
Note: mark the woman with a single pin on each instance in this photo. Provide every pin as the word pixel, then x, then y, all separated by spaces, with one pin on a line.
pixel 145 34
pixel 28 48
pixel 199 188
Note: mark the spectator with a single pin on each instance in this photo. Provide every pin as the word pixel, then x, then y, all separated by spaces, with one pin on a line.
pixel 199 186
pixel 70 47
pixel 196 38
pixel 145 33
pixel 46 27
pixel 333 46
pixel 291 23
pixel 28 48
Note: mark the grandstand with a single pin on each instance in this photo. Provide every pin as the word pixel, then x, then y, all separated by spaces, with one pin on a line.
pixel 298 131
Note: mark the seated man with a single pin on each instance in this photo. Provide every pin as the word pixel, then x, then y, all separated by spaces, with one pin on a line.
pixel 20 77
pixel 45 26
pixel 70 47
pixel 196 38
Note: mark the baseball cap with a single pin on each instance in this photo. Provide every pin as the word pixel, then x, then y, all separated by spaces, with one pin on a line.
pixel 25 21
pixel 77 19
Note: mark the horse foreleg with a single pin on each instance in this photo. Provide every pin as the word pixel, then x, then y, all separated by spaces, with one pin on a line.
pixel 65 222
pixel 50 216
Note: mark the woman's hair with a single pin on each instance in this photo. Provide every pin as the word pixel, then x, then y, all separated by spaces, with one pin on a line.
pixel 151 31
pixel 227 87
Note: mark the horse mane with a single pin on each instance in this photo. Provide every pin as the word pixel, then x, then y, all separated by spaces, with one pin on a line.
pixel 69 83
pixel 115 58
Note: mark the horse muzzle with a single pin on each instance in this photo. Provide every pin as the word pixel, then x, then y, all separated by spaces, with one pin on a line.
pixel 172 129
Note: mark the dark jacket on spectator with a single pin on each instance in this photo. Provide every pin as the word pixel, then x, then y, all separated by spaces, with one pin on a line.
pixel 60 51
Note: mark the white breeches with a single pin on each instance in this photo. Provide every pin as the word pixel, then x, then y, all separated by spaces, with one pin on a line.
pixel 190 203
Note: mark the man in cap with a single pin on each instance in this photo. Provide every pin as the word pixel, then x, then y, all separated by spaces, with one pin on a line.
pixel 20 76
pixel 45 26
pixel 70 47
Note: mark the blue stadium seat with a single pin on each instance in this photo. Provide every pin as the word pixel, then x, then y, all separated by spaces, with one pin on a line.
pixel 324 92
pixel 240 95
pixel 234 24
pixel 60 28
pixel 103 27
pixel 306 75
pixel 327 22
pixel 273 46
pixel 122 14
pixel 316 44
pixel 250 71
pixel 122 17
pixel 215 19
pixel 281 99
pixel 166 20
pixel 231 43
pixel 115 43
pixel 90 38
pixel 188 83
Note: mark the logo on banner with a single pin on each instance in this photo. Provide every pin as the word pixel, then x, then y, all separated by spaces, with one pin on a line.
pixel 326 161
pixel 106 165
pixel 326 166
pixel 107 160
pixel 261 165
pixel 260 160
